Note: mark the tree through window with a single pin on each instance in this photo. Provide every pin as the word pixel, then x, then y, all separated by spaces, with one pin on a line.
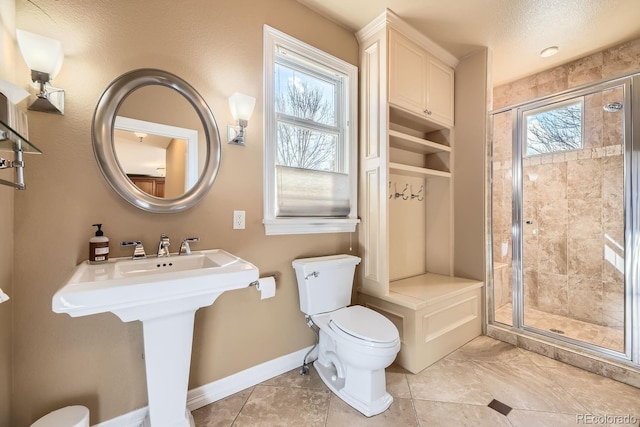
pixel 554 129
pixel 308 134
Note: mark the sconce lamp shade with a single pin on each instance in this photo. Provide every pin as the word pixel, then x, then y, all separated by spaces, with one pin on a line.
pixel 241 106
pixel 40 53
pixel 44 57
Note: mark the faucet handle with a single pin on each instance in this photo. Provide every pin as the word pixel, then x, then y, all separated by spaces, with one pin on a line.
pixel 163 246
pixel 184 247
pixel 138 252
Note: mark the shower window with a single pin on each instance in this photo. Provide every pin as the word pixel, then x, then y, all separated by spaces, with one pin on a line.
pixel 554 128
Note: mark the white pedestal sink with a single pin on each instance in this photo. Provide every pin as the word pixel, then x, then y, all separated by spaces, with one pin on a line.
pixel 164 294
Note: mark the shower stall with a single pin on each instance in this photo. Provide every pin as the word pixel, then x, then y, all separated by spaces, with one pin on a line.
pixel 565 219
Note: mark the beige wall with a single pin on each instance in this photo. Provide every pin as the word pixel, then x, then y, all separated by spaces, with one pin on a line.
pixel 471 103
pixel 7 55
pixel 217 47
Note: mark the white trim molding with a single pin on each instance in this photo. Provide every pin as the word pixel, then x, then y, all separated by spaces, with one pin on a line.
pixel 389 18
pixel 273 40
pixel 280 226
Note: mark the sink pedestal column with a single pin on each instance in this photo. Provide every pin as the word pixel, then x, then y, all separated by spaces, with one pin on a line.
pixel 167 348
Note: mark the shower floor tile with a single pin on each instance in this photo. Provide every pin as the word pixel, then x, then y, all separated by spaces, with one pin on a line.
pixel 587 332
pixel 454 391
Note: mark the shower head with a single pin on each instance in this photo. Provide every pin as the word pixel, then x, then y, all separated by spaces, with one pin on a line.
pixel 612 107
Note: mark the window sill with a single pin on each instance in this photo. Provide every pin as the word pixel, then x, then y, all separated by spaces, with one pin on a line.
pixel 279 226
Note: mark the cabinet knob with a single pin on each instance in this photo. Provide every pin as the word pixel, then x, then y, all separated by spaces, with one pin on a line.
pixel 427 112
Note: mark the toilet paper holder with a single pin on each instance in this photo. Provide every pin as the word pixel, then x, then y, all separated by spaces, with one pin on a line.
pixel 275 276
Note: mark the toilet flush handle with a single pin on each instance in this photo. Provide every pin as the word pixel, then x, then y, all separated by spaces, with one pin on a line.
pixel 314 274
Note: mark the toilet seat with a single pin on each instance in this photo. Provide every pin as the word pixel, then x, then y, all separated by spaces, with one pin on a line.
pixel 364 324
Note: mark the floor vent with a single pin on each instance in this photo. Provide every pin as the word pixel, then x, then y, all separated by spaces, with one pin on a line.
pixel 498 406
pixel 557 331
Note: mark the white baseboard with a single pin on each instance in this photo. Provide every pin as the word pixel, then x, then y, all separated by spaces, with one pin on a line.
pixel 130 419
pixel 219 389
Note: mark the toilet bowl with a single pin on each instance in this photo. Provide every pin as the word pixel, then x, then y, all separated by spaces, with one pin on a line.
pixel 70 416
pixel 356 344
pixel 353 367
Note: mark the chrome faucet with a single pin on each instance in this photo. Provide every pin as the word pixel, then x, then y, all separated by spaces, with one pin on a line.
pixel 163 246
pixel 138 252
pixel 185 248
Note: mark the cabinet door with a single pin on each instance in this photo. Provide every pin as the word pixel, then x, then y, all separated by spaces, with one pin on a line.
pixel 439 92
pixel 148 185
pixel 407 74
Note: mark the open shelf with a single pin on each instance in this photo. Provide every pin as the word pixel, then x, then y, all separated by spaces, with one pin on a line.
pixel 409 119
pixel 414 144
pixel 9 138
pixel 407 170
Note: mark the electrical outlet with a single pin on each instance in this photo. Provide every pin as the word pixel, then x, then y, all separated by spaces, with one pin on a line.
pixel 238 220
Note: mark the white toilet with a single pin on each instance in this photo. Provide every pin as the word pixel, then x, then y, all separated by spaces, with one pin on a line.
pixel 356 343
pixel 70 416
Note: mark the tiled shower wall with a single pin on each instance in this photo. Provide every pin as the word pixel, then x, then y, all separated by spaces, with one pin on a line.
pixel 574 199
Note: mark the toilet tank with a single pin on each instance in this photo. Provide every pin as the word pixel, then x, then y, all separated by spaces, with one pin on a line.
pixel 324 283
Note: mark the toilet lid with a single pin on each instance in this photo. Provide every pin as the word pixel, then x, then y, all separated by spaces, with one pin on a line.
pixel 365 324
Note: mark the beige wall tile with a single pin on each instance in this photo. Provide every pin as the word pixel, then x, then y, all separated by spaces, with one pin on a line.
pixel 613 306
pixel 585 219
pixel 585 297
pixel 584 179
pixel 552 295
pixel 585 70
pixel 621 59
pixel 585 258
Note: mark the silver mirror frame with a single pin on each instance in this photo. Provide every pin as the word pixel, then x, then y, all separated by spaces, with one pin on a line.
pixel 104 148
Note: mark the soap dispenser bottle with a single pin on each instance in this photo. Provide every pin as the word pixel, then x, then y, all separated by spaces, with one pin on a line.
pixel 98 246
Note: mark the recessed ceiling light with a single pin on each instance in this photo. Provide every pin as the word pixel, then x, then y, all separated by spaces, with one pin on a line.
pixel 550 51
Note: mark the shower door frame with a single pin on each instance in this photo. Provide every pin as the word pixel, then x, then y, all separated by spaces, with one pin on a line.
pixel 631 149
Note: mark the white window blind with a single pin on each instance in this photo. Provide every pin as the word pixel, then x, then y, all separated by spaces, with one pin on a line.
pixel 308 192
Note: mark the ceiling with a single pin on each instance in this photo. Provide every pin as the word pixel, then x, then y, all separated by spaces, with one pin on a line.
pixel 515 30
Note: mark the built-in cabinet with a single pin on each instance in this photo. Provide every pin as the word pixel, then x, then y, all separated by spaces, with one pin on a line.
pixel 406 193
pixel 419 82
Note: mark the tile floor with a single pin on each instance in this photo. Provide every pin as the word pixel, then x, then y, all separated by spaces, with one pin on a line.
pixel 453 392
pixel 587 332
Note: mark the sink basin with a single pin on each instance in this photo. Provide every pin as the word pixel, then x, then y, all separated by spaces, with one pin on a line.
pixel 164 294
pixel 124 286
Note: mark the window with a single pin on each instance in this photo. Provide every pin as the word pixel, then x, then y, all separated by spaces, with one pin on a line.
pixel 310 139
pixel 554 128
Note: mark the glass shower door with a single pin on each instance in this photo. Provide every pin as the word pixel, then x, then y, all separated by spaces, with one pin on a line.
pixel 572 214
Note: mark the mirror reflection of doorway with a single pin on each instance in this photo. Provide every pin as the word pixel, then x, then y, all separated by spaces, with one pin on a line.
pixel 161 160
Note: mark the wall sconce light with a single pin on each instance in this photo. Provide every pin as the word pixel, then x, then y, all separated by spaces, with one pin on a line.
pixel 44 57
pixel 241 107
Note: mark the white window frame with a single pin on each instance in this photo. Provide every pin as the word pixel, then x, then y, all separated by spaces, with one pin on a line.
pixel 273 39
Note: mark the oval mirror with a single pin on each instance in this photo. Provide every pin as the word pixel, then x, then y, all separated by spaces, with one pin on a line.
pixel 156 141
